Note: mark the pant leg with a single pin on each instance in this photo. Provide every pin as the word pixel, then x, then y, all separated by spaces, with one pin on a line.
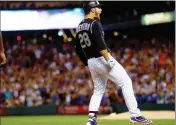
pixel 99 89
pixel 99 81
pixel 119 76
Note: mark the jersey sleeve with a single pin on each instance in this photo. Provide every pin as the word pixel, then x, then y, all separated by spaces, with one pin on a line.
pixel 98 35
pixel 80 52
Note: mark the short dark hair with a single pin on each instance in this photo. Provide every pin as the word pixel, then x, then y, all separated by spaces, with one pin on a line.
pixel 86 9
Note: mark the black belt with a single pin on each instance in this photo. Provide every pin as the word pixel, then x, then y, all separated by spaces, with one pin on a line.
pixel 90 57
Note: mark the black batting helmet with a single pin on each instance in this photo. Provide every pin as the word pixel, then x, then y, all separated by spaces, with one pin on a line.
pixel 88 5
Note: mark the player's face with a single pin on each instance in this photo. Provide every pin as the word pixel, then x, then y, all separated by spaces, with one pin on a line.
pixel 98 10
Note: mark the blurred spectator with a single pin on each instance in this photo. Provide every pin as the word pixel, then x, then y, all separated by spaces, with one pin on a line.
pixel 38 74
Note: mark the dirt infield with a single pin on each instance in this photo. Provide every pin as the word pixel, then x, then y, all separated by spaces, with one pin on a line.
pixel 148 114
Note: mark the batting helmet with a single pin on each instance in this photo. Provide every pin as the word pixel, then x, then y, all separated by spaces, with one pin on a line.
pixel 87 6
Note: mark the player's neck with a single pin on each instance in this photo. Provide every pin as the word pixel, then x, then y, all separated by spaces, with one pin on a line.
pixel 90 16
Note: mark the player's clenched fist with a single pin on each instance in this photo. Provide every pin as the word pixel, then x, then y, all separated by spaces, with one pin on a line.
pixel 111 63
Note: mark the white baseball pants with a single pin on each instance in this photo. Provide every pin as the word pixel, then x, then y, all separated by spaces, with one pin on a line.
pixel 100 74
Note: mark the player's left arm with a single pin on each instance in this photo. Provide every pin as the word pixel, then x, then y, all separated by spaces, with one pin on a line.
pixel 98 35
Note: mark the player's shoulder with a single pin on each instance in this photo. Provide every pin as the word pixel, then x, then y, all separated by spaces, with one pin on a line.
pixel 90 21
pixel 96 23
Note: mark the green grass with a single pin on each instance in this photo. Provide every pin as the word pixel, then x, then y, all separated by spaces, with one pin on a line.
pixel 67 120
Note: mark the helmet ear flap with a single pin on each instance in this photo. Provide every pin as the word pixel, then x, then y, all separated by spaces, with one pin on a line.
pixel 87 11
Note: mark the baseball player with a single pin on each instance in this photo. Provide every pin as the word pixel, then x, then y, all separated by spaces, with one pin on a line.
pixel 2 54
pixel 91 48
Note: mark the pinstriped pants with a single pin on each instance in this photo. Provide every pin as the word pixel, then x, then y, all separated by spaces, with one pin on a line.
pixel 101 73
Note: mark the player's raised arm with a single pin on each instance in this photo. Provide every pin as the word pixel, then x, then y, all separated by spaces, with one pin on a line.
pixel 2 54
pixel 1 43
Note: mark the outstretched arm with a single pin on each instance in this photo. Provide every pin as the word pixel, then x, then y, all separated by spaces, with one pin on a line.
pixel 2 54
pixel 1 43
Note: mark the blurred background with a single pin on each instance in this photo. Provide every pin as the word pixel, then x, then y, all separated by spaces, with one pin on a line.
pixel 43 69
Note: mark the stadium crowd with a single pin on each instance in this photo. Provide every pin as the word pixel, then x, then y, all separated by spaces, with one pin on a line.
pixel 38 74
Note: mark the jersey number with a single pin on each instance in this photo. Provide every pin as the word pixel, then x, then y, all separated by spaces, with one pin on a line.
pixel 84 40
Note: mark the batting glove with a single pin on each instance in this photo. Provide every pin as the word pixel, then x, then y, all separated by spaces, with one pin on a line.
pixel 111 63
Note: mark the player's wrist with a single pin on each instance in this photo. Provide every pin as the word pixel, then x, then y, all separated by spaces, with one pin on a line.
pixel 110 63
